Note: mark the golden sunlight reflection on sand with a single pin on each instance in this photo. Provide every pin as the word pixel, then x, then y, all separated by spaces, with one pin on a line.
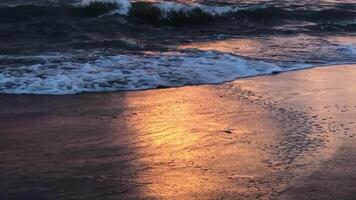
pixel 170 135
pixel 235 144
pixel 182 146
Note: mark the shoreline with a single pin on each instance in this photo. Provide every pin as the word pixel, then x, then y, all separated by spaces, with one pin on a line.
pixel 263 137
pixel 293 69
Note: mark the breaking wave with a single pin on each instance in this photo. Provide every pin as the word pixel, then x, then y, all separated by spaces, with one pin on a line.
pixel 155 12
pixel 69 74
pixel 121 7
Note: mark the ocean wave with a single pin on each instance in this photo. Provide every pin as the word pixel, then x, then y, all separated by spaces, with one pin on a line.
pixel 121 7
pixel 67 74
pixel 164 8
pixel 171 13
pixel 180 13
pixel 96 71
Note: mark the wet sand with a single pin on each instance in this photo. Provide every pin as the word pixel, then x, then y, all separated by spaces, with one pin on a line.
pixel 286 136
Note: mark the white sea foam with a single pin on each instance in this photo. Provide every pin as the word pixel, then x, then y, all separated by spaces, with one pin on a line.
pixel 166 8
pixel 63 74
pixel 123 5
pixel 85 71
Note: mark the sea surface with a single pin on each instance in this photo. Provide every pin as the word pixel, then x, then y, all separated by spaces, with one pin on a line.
pixel 73 46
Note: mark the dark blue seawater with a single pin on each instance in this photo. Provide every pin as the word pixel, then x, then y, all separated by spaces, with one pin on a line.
pixel 67 47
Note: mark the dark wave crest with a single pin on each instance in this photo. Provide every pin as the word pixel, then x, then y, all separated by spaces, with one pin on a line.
pixel 175 13
pixel 95 23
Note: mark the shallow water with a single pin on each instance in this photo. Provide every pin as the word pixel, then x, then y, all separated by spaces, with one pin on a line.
pixel 66 47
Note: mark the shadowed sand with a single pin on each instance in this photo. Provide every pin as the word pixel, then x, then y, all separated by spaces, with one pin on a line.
pixel 287 136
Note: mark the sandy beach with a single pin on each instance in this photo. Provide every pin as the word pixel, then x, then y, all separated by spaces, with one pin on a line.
pixel 285 136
